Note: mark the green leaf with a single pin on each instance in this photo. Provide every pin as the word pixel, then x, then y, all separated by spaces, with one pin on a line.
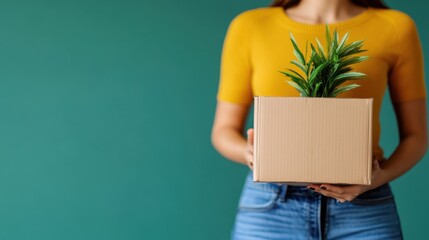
pixel 298 64
pixel 306 48
pixel 316 89
pixel 292 73
pixel 343 40
pixel 350 75
pixel 344 88
pixel 297 87
pixel 343 70
pixel 298 54
pixel 353 60
pixel 345 77
pixel 328 37
pixel 333 71
pixel 351 48
pixel 320 49
pixel 334 44
pixel 316 58
pixel 297 78
pixel 316 71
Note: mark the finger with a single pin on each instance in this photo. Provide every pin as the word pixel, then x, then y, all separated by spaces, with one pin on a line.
pixel 248 155
pixel 375 165
pixel 326 192
pixel 250 164
pixel 332 188
pixel 346 193
pixel 249 149
pixel 250 133
pixel 249 158
pixel 340 197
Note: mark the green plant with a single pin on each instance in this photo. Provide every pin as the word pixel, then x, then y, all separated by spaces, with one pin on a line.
pixel 324 72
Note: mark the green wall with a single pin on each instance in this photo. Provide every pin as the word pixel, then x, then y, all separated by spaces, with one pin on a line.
pixel 106 112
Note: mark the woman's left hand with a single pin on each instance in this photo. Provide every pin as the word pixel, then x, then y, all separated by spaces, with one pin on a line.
pixel 350 192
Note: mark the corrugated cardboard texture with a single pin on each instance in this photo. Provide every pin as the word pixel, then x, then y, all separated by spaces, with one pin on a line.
pixel 313 140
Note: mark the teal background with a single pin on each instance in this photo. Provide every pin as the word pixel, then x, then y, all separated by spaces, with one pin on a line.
pixel 106 112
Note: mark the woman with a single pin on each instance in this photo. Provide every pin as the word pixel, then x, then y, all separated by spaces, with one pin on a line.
pixel 255 48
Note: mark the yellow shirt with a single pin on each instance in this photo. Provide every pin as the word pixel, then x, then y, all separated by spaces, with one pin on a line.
pixel 257 46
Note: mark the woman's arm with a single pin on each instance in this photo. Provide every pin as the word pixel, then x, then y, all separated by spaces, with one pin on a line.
pixel 413 133
pixel 226 135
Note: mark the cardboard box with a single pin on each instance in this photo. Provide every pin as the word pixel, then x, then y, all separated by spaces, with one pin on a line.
pixel 301 140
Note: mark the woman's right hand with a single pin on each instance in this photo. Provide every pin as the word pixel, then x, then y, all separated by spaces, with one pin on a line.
pixel 248 154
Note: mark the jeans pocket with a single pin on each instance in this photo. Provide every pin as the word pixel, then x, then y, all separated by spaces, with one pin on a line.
pixel 381 194
pixel 258 196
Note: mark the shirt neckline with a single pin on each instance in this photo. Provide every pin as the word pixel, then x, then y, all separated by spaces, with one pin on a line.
pixel 355 20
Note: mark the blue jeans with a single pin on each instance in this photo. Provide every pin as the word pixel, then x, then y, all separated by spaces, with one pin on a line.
pixel 268 211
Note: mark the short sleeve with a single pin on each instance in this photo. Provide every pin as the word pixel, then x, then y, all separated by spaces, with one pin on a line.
pixel 235 66
pixel 406 79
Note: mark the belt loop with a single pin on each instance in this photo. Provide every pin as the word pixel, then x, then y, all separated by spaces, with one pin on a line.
pixel 283 192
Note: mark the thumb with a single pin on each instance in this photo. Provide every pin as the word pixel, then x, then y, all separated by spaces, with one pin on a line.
pixel 250 132
pixel 375 164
